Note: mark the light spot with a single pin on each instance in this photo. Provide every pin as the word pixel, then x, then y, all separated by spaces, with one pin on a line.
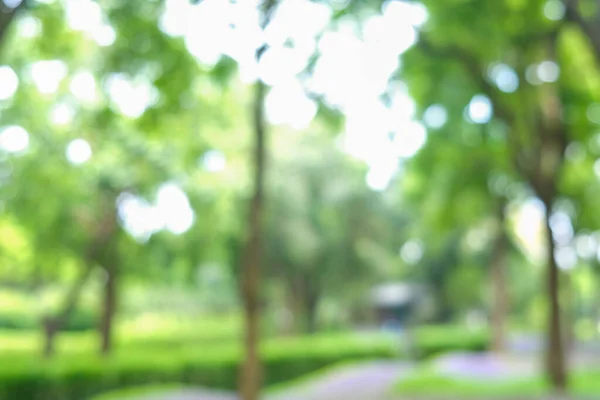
pixel 593 113
pixel 480 109
pixel 12 3
pixel 530 216
pixel 575 152
pixel 548 71
pixel 413 13
pixel 562 228
pixel 296 19
pixel 47 75
pixel 29 26
pixel 130 98
pixel 379 176
pixel 62 114
pixel 412 251
pixel 280 64
pixel 597 168
pixel 104 35
pixel 79 151
pixel 498 184
pixel 9 82
pixel 83 15
pixel 173 204
pixel 504 77
pixel 435 116
pixel 83 86
pixel 213 161
pixel 390 32
pixel 586 246
pixel 554 10
pixel 566 257
pixel 409 139
pixel 531 75
pixel 138 217
pixel 287 103
pixel 14 139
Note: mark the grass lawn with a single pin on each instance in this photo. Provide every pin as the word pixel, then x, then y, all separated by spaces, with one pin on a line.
pixel 427 382
pixel 134 393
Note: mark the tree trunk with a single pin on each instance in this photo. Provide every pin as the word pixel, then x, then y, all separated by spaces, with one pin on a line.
pixel 499 289
pixel 108 312
pixel 52 325
pixel 312 303
pixel 7 15
pixel 50 329
pixel 555 355
pixel 251 374
pixel 250 380
pixel 569 314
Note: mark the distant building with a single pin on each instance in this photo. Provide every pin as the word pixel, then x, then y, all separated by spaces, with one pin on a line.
pixel 397 303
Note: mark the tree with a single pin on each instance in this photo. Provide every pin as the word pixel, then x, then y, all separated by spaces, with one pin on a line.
pixel 538 131
pixel 250 380
pixel 324 226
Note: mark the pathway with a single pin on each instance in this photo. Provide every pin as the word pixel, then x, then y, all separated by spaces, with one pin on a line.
pixel 369 381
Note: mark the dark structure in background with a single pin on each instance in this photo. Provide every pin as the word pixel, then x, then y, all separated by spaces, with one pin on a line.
pixel 397 304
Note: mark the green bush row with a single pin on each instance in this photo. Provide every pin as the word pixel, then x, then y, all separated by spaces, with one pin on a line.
pixel 79 376
pixel 435 340
pixel 80 320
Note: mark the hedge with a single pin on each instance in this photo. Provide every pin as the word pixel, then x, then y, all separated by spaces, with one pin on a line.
pixel 81 376
pixel 80 320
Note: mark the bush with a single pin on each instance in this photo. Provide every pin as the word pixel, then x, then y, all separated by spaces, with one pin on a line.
pixel 435 340
pixel 75 375
pixel 80 320
pixel 77 378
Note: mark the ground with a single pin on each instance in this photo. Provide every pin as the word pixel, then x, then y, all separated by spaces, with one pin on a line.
pixel 375 380
pixel 368 381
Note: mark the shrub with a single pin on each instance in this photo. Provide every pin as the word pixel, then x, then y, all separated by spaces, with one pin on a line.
pixel 80 320
pixel 75 375
pixel 434 340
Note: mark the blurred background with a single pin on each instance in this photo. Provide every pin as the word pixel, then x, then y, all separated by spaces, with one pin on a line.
pixel 299 199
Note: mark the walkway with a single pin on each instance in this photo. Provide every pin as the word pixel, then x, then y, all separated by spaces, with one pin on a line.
pixel 369 381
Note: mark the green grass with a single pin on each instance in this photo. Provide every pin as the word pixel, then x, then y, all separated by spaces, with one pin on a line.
pixel 137 392
pixel 427 382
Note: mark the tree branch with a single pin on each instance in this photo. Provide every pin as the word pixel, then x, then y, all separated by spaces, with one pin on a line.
pixel 591 27
pixel 475 70
pixel 473 67
pixel 7 15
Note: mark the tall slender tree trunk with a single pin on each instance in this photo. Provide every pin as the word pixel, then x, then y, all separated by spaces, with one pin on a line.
pixel 250 380
pixel 555 354
pixel 312 303
pixel 251 374
pixel 52 324
pixel 109 308
pixel 498 272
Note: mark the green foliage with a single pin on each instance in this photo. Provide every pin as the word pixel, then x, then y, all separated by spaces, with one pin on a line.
pixel 431 341
pixel 80 320
pixel 136 392
pixel 428 382
pixel 74 377
pixel 75 374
